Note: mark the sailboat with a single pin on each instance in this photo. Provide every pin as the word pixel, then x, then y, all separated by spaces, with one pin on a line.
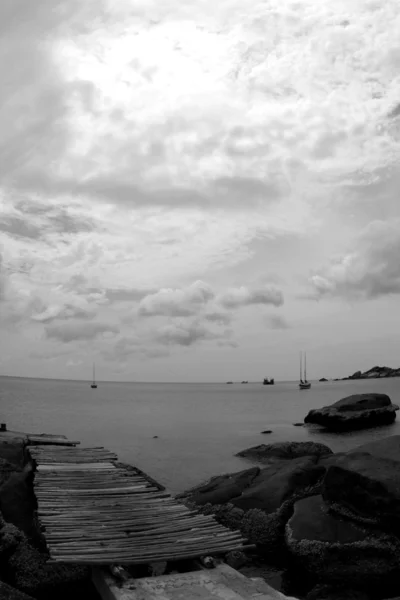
pixel 94 384
pixel 304 384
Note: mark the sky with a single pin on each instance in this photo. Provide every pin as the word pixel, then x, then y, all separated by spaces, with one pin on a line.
pixel 196 191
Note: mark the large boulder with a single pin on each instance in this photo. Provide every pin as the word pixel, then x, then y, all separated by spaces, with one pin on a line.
pixel 339 552
pixel 278 482
pixel 266 453
pixel 368 486
pixel 355 412
pixel 222 488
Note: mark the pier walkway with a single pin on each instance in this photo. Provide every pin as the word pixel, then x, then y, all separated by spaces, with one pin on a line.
pixel 94 511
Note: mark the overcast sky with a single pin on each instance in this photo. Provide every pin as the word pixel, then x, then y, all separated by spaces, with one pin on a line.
pixel 198 190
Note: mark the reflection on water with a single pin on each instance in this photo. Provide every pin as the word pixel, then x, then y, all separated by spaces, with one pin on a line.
pixel 200 427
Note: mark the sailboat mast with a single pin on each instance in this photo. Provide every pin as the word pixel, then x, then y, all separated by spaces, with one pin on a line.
pixel 305 366
pixel 301 357
pixel 93 374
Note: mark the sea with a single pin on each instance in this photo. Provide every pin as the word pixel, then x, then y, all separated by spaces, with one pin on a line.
pixel 182 433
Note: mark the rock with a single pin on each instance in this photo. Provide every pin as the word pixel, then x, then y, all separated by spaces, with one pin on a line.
pixel 277 482
pixel 284 450
pixel 368 486
pixel 236 559
pixel 12 450
pixel 388 447
pixel 267 431
pixel 328 592
pixel 298 424
pixel 28 571
pixel 9 593
pixel 17 501
pixel 323 379
pixel 6 468
pixel 355 412
pixel 222 489
pixel 375 373
pixel 339 552
pixel 356 375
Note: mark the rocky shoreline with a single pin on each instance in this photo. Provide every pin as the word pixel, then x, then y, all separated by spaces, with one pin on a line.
pixel 328 523
pixel 373 373
pixel 325 526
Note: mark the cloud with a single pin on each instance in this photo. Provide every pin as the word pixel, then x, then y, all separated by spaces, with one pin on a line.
pixel 243 296
pixel 219 317
pixel 127 295
pixel 68 311
pixel 75 331
pixel 188 334
pixel 277 322
pixel 141 347
pixel 181 302
pixel 370 269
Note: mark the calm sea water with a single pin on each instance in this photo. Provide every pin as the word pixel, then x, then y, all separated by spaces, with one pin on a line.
pixel 199 426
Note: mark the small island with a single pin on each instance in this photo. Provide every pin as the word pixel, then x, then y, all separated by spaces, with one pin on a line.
pixel 375 373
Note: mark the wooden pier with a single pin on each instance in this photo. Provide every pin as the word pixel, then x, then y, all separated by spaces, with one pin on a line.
pixel 93 511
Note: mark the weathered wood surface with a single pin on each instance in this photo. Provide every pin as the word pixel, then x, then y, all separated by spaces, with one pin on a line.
pixel 95 512
pixel 221 583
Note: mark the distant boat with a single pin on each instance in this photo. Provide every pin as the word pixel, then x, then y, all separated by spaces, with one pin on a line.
pixel 269 381
pixel 94 384
pixel 229 382
pixel 245 382
pixel 303 384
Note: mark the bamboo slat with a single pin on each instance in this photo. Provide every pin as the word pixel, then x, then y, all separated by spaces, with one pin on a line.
pixel 93 511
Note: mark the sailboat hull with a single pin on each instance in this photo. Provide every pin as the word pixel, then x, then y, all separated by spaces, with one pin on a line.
pixel 304 386
pixel 93 386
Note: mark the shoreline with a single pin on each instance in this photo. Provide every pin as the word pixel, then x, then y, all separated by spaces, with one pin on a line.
pixel 19 524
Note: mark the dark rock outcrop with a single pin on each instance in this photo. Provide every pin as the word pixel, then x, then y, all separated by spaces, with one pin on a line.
pixel 340 552
pixel 323 379
pixel 366 485
pixel 278 482
pixel 17 500
pixel 375 373
pixel 222 488
pixel 264 453
pixel 330 592
pixel 9 593
pixel 26 569
pixel 355 412
pixel 331 520
pixel 258 501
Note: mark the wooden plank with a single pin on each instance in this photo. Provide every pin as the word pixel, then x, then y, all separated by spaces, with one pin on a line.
pixel 91 509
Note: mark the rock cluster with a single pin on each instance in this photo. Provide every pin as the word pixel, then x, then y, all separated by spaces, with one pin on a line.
pixel 332 519
pixel 375 373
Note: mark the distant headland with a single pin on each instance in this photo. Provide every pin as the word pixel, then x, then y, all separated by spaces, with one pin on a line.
pixel 375 373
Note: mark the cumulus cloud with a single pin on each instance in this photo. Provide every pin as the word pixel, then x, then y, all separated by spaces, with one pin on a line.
pixel 68 311
pixel 243 296
pixel 75 331
pixel 218 316
pixel 370 269
pixel 182 302
pixel 188 334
